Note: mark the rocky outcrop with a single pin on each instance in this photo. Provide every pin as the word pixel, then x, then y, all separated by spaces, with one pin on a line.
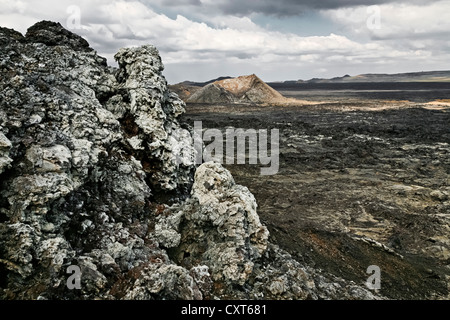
pixel 97 175
pixel 243 89
pixel 237 237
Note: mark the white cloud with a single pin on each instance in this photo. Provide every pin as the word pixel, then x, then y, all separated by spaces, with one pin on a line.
pixel 409 37
pixel 231 45
pixel 397 20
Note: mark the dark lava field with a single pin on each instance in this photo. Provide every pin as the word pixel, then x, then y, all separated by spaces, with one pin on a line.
pixel 361 182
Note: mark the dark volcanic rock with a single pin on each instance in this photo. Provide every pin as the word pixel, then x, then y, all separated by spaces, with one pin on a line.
pixel 97 175
pixel 53 34
pixel 10 35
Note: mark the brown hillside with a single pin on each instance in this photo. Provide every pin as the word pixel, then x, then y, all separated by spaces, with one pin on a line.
pixel 243 89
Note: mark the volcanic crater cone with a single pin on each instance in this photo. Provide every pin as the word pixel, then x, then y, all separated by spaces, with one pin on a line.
pixel 243 89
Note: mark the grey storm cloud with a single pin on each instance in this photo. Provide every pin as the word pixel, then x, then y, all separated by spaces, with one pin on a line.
pixel 204 39
pixel 182 2
pixel 279 7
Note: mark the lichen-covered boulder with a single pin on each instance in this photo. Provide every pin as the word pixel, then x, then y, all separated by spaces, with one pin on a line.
pixel 218 226
pixel 75 188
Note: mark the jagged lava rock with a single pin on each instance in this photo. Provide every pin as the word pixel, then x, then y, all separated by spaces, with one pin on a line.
pixel 92 175
pixel 220 226
pixel 71 182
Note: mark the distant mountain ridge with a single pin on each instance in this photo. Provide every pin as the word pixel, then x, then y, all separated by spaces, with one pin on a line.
pixel 424 76
pixel 214 90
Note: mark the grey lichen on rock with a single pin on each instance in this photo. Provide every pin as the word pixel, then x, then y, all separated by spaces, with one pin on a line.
pixel 220 226
pixel 154 111
pixel 96 172
pixel 5 146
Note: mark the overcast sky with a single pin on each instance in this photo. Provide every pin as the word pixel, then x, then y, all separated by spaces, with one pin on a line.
pixel 277 40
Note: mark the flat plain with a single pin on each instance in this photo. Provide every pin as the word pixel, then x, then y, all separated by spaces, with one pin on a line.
pixel 364 179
